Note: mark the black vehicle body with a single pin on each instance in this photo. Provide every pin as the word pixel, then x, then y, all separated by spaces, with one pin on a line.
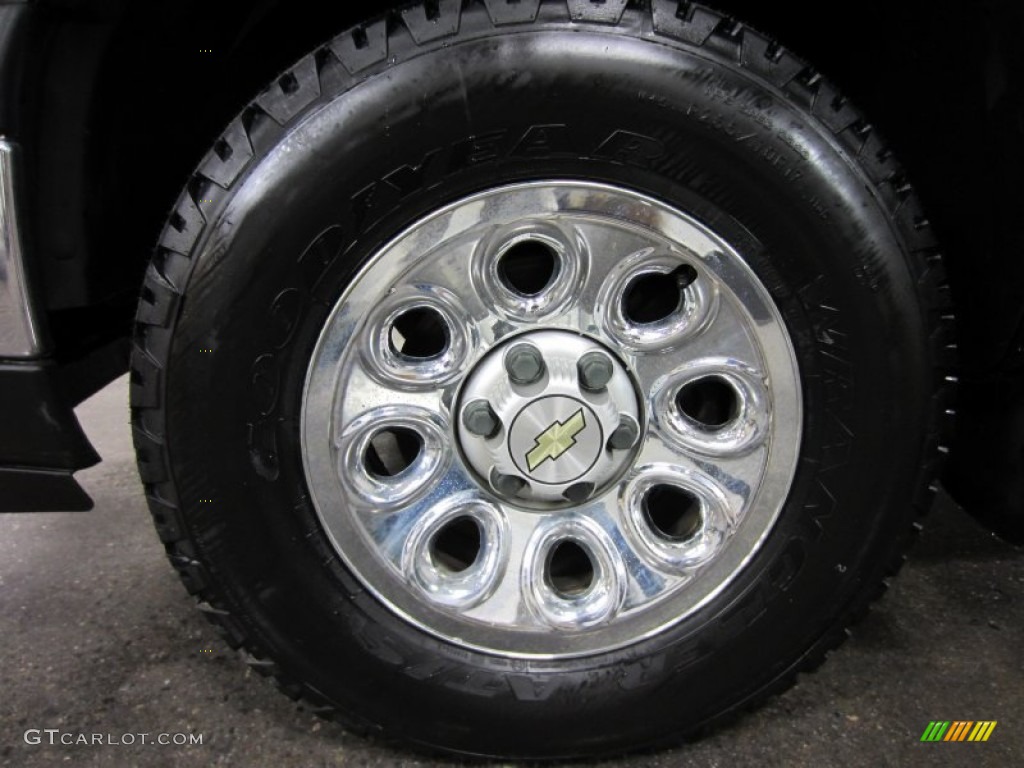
pixel 106 106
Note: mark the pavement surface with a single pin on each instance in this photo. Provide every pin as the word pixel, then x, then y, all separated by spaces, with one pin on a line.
pixel 99 637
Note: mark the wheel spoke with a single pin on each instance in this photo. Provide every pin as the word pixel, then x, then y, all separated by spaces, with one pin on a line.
pixel 504 605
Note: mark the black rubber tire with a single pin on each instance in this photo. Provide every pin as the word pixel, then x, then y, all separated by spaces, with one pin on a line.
pixel 390 121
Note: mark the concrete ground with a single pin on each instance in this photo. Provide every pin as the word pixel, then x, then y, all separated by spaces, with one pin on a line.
pixel 99 637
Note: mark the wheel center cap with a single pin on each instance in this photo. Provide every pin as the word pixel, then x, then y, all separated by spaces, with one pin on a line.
pixel 547 418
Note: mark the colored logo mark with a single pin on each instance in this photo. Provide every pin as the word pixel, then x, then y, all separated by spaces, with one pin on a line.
pixel 556 440
pixel 958 730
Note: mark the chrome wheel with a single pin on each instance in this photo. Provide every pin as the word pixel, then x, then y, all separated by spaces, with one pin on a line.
pixel 551 419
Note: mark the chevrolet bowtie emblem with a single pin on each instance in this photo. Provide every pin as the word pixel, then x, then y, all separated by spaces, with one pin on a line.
pixel 555 440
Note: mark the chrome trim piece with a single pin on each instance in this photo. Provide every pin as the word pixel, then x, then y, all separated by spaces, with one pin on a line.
pixel 19 330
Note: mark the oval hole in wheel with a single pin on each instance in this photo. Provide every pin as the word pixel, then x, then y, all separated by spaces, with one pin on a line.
pixel 391 451
pixel 673 513
pixel 570 569
pixel 528 267
pixel 420 333
pixel 456 546
pixel 654 296
pixel 710 401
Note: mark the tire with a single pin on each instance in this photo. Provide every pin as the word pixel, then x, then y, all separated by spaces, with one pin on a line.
pixel 403 119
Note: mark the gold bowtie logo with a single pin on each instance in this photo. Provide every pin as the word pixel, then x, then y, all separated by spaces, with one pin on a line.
pixel 555 440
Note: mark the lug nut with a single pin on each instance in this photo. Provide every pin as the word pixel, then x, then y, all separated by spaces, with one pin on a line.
pixel 595 371
pixel 578 493
pixel 625 435
pixel 479 418
pixel 507 485
pixel 524 364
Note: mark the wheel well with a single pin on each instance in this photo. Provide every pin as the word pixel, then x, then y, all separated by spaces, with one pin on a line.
pixel 133 94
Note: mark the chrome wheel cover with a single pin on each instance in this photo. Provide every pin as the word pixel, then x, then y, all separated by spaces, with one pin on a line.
pixel 678 434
